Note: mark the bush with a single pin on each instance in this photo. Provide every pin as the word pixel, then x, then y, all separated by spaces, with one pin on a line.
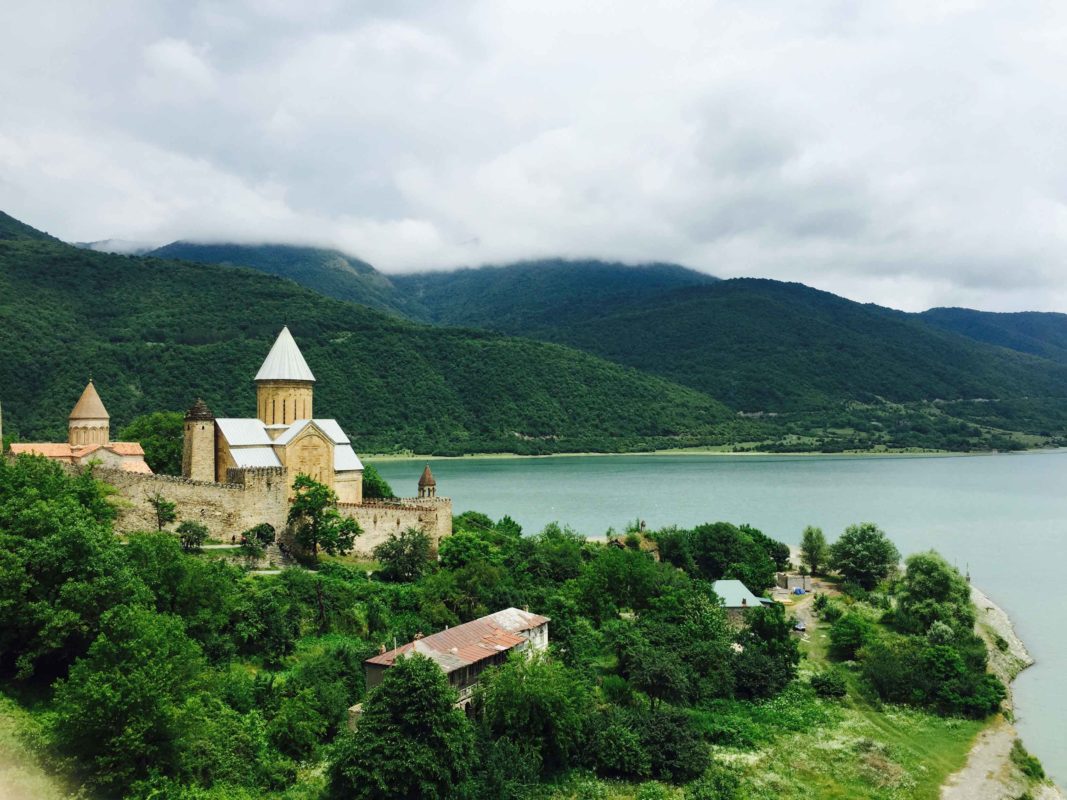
pixel 654 791
pixel 829 684
pixel 1027 763
pixel 717 783
pixel 848 635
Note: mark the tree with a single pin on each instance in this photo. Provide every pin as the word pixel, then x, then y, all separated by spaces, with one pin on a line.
pixel 404 556
pixel 162 435
pixel 166 511
pixel 770 654
pixel 933 591
pixel 117 709
pixel 864 555
pixel 318 523
pixel 540 702
pixel 849 635
pixel 813 549
pixel 192 535
pixel 374 485
pixel 411 741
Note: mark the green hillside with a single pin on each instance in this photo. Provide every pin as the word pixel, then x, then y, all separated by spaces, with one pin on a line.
pixel 1038 333
pixel 156 334
pixel 531 294
pixel 12 229
pixel 762 345
pixel 329 272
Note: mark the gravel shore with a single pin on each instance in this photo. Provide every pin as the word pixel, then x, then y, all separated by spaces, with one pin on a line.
pixel 989 773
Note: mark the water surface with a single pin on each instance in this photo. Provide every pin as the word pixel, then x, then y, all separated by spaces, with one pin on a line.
pixel 1002 517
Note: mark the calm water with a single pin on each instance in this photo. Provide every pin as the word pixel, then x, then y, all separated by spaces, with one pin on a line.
pixel 1003 517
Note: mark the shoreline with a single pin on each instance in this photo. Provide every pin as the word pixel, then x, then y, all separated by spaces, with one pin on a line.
pixel 990 773
pixel 720 453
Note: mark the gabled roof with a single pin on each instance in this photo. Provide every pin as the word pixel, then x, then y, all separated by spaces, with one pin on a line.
pixel 285 362
pixel 89 405
pixel 733 592
pixel 243 432
pixel 469 643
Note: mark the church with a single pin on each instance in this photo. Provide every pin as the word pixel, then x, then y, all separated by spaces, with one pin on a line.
pixel 284 432
pixel 89 439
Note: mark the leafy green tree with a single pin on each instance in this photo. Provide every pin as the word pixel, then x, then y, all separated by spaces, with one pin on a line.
pixel 61 567
pixel 192 535
pixel 864 555
pixel 405 556
pixel 814 551
pixel 538 701
pixel 374 485
pixel 933 591
pixel 411 740
pixel 162 435
pixel 770 653
pixel 117 710
pixel 465 547
pixel 849 635
pixel 318 523
pixel 165 511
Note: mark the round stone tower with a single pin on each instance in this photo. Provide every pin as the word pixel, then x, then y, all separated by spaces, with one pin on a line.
pixel 284 384
pixel 89 422
pixel 198 453
pixel 427 484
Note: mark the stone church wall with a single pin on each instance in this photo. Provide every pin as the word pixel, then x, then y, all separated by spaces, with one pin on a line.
pixel 252 496
pixel 379 519
pixel 226 509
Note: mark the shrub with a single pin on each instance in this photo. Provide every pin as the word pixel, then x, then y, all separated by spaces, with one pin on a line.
pixel 848 635
pixel 829 684
pixel 717 783
pixel 1027 763
pixel 654 791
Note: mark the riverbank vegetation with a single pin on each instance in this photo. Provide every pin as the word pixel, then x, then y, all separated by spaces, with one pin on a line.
pixel 141 670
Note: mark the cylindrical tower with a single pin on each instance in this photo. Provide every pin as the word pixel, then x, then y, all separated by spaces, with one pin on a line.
pixel 284 384
pixel 89 422
pixel 198 453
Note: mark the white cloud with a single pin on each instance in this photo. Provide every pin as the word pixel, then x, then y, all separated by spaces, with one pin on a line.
pixel 903 152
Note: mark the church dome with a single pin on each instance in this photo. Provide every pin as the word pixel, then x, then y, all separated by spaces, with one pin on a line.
pixel 427 478
pixel 89 405
pixel 285 362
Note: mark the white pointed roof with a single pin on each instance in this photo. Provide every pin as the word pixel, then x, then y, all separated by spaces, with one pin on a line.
pixel 284 362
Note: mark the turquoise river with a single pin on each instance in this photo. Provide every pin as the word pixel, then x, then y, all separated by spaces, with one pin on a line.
pixel 1002 517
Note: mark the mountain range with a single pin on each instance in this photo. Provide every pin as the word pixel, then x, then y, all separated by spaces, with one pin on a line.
pixel 539 356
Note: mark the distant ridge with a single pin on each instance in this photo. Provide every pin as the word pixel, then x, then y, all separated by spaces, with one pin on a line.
pixel 12 229
pixel 1036 332
pixel 327 271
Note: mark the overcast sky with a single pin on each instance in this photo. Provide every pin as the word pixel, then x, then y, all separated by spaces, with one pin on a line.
pixel 907 152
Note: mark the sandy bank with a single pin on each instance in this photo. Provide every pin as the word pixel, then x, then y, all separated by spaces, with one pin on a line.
pixel 989 773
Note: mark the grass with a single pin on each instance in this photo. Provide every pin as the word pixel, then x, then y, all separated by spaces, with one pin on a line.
pixel 22 776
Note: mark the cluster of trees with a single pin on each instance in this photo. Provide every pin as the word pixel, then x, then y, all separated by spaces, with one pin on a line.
pixel 921 649
pixel 167 673
pixel 166 669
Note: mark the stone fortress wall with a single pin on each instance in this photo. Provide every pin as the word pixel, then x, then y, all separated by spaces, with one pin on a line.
pixel 253 496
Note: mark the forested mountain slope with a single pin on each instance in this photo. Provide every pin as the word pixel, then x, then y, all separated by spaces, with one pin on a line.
pixel 530 294
pixel 1038 333
pixel 329 272
pixel 157 334
pixel 763 345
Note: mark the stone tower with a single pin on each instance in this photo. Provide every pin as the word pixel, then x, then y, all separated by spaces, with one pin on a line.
pixel 198 454
pixel 427 484
pixel 284 384
pixel 89 422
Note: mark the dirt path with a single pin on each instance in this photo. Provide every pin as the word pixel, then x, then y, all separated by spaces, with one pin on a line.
pixel 989 773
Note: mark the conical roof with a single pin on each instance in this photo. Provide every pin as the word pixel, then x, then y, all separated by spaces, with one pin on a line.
pixel 427 478
pixel 199 411
pixel 284 362
pixel 89 405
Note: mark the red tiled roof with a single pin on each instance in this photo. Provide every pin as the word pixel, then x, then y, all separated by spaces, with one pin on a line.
pixel 471 642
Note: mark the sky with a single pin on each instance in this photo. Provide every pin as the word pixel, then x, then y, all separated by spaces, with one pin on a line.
pixel 902 152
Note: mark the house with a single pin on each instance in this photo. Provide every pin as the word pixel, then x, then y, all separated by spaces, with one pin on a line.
pixel 465 651
pixel 737 599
